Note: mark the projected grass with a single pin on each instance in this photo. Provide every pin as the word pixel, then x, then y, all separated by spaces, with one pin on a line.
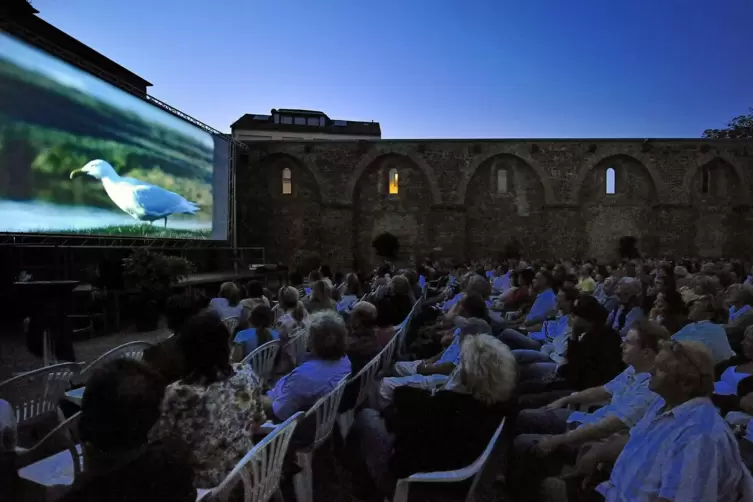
pixel 55 119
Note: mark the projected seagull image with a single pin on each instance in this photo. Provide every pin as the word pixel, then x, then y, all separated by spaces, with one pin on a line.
pixel 142 201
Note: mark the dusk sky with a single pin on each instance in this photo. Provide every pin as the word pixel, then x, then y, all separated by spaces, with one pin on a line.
pixel 438 68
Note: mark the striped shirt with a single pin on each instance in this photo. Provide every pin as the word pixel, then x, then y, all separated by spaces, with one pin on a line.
pixel 685 454
pixel 631 397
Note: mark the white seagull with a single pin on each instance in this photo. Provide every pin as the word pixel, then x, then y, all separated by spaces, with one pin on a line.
pixel 143 201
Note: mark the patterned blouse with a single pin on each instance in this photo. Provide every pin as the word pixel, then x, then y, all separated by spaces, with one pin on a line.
pixel 215 421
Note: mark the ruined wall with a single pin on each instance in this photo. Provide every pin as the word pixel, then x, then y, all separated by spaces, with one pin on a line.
pixel 468 198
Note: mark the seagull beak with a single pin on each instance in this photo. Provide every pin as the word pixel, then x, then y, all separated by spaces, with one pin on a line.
pixel 76 172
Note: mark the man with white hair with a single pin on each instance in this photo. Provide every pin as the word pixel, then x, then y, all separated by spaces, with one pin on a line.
pixel 629 290
pixel 681 450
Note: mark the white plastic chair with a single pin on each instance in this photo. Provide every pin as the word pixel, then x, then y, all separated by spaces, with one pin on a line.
pixel 262 359
pixel 299 345
pixel 65 434
pixel 324 412
pixel 260 469
pixel 363 379
pixel 387 354
pixel 35 395
pixel 130 350
pixel 472 471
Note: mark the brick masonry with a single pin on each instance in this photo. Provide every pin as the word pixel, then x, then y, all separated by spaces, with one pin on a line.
pixel 449 204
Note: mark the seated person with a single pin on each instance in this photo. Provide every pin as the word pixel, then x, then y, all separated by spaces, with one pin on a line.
pixel 443 430
pixel 544 431
pixel 629 308
pixel 320 297
pixel 362 344
pixel 586 284
pixel 254 332
pixel 254 296
pixel 543 307
pixel 316 376
pixel 533 338
pixel 741 317
pixel 696 456
pixel 215 406
pixel 120 406
pixel 669 310
pixel 704 313
pixel 435 372
pixel 227 304
pixel 592 358
pixel 352 292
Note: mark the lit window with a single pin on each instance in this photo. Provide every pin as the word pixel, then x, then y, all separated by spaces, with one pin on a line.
pixel 287 182
pixel 502 181
pixel 610 181
pixel 393 181
pixel 705 180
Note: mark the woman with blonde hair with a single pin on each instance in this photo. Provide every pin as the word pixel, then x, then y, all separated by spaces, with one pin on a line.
pixel 429 431
pixel 321 297
pixel 292 321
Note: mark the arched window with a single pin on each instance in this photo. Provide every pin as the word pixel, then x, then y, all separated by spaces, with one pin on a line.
pixel 610 181
pixel 287 182
pixel 705 180
pixel 502 180
pixel 393 182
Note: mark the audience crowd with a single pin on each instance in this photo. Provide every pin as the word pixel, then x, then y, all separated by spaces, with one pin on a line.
pixel 629 381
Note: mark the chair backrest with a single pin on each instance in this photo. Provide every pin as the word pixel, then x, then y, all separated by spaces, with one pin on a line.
pixel 64 436
pixel 298 345
pixel 36 394
pixel 261 468
pixel 262 359
pixel 388 353
pixel 365 378
pixel 477 467
pixel 231 323
pixel 130 350
pixel 324 412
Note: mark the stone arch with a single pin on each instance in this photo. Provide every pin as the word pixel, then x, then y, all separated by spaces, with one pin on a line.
pixel 594 161
pixel 520 153
pixel 375 154
pixel 707 158
pixel 299 163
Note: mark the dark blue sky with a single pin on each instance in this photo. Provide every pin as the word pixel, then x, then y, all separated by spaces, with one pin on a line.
pixel 438 68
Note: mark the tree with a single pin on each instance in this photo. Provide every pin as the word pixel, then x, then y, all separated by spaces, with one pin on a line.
pixel 738 128
pixel 386 245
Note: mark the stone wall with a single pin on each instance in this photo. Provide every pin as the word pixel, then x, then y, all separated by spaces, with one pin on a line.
pixel 468 198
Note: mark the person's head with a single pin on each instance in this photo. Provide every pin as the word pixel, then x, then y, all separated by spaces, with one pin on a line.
pixel 327 334
pixel 352 285
pixel 542 280
pixel 314 276
pixel 704 308
pixel 628 290
pixel 120 406
pixel 744 296
pixel 682 371
pixel 399 286
pixel 587 313
pixel 704 285
pixel 178 309
pixel 321 292
pixel 230 292
pixel 566 296
pixel 641 345
pixel 585 271
pixel 261 317
pixel 478 285
pixel 290 302
pixel 326 271
pixel 610 285
pixel 254 289
pixel 488 370
pixel 205 345
pixel 664 283
pixel 362 318
pixel 629 269
pixel 569 281
pixel 526 277
pixel 473 305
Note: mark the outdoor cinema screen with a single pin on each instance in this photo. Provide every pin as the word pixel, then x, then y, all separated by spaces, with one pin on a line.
pixel 79 156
